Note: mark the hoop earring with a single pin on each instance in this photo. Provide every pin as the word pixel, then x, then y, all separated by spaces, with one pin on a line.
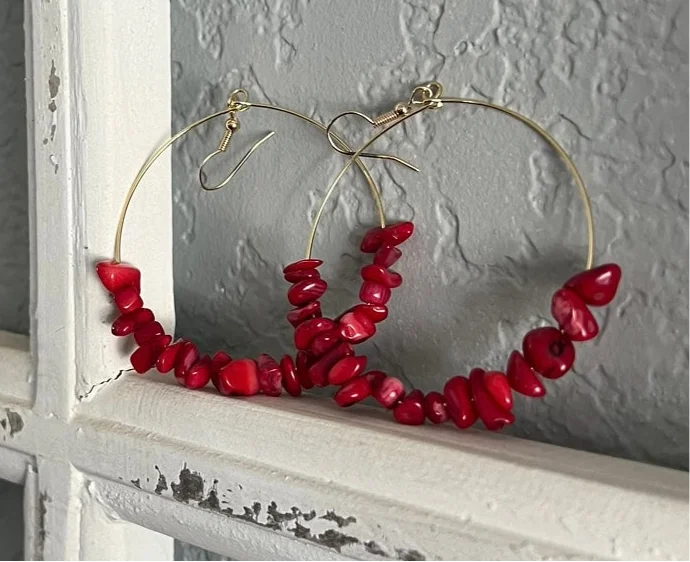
pixel 485 395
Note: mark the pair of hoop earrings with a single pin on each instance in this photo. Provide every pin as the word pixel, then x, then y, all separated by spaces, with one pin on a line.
pixel 325 346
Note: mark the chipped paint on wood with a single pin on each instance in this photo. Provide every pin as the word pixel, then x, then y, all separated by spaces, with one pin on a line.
pixel 12 422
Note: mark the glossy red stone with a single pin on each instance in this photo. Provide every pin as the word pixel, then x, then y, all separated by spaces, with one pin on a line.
pixel 387 255
pixel 355 327
pixel 374 293
pixel 493 417
pixel 396 234
pixel 116 276
pixel 387 391
pixel 373 238
pixel 291 382
pixel 309 329
pixel 324 342
pixel 381 275
pixel 522 378
pixel 239 377
pixel 549 352
pixel 270 376
pixel 167 359
pixel 346 368
pixel 144 357
pixel 375 378
pixel 298 315
pixel 128 323
pixel 352 392
pixel 306 291
pixel 375 312
pixel 435 407
pixel 303 361
pixel 459 405
pixel 127 300
pixel 148 332
pixel 220 359
pixel 301 275
pixel 410 411
pixel 198 374
pixel 596 286
pixel 573 316
pixel 496 384
pixel 301 265
pixel 318 372
pixel 186 357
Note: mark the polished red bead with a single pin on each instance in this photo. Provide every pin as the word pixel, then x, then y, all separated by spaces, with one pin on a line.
pixel 387 255
pixel 270 376
pixel 301 275
pixel 128 300
pixel 353 391
pixel 373 238
pixel 375 312
pixel 496 384
pixel 306 291
pixel 396 234
pixel 375 378
pixel 116 276
pixel 573 316
pixel 303 361
pixel 186 357
pixel 298 315
pixel 324 342
pixel 493 417
pixel 355 327
pixel 145 356
pixel 435 407
pixel 522 378
pixel 309 329
pixel 387 391
pixel 198 374
pixel 346 368
pixel 167 359
pixel 220 359
pixel 410 411
pixel 240 377
pixel 301 265
pixel 596 286
pixel 148 332
pixel 549 352
pixel 128 323
pixel 379 274
pixel 291 382
pixel 459 405
pixel 374 293
pixel 318 372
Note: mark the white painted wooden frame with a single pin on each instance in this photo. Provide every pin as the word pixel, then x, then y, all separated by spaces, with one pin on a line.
pixel 114 464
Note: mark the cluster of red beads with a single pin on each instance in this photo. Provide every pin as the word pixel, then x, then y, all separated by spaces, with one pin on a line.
pixel 240 377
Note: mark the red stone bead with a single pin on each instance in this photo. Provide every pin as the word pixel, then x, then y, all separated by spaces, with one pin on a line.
pixel 128 300
pixel 309 329
pixel 379 274
pixel 116 276
pixel 220 360
pixel 410 411
pixel 128 323
pixel 291 382
pixel 145 357
pixel 573 316
pixel 303 361
pixel 355 327
pixel 375 378
pixel 346 368
pixel 372 240
pixel 186 357
pixel 522 378
pixel 148 332
pixel 301 265
pixel 459 405
pixel 496 384
pixel 167 359
pixel 240 377
pixel 353 391
pixel 596 286
pixel 387 255
pixel 301 275
pixel 306 291
pixel 270 376
pixel 198 374
pixel 375 312
pixel 493 417
pixel 324 342
pixel 435 407
pixel 374 293
pixel 318 372
pixel 298 315
pixel 387 391
pixel 549 352
pixel 396 234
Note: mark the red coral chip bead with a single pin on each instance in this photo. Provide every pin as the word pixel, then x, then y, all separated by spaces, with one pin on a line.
pixel 375 378
pixel 198 374
pixel 355 327
pixel 396 234
pixel 387 391
pixel 374 293
pixel 298 315
pixel 240 377
pixel 303 361
pixel 435 407
pixel 324 342
pixel 309 329
pixel 128 323
pixel 352 392
pixel 128 300
pixel 573 316
pixel 596 286
pixel 459 405
pixel 145 357
pixel 549 352
pixel 410 411
pixel 291 382
pixel 220 359
pixel 166 361
pixel 186 357
pixel 496 384
pixel 148 332
pixel 375 312
pixel 318 372
pixel 387 255
pixel 379 274
pixel 306 291
pixel 373 238
pixel 493 417
pixel 116 276
pixel 301 275
pixel 270 376
pixel 346 368
pixel 522 378
pixel 302 265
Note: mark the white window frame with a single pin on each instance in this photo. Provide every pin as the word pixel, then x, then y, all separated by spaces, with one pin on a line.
pixel 114 464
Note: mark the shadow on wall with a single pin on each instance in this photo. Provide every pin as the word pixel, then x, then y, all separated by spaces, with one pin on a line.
pixel 11 522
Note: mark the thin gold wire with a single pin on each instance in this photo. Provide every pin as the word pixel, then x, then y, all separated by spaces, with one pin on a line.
pixel 436 102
